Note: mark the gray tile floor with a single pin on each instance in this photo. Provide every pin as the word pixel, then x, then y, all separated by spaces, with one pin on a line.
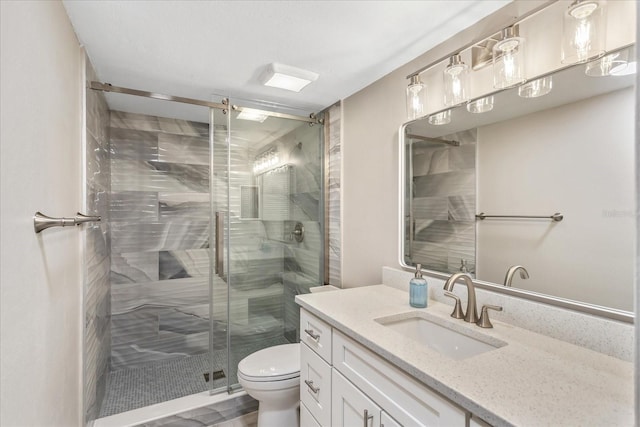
pixel 134 388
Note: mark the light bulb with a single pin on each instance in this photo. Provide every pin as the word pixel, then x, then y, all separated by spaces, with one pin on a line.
pixel 416 98
pixel 584 30
pixel 508 66
pixel 455 78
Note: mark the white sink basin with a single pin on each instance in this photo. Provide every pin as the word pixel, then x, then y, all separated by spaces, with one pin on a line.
pixel 438 334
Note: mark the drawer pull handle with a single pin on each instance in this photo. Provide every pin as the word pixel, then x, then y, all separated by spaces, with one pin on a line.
pixel 312 335
pixel 309 384
pixel 366 418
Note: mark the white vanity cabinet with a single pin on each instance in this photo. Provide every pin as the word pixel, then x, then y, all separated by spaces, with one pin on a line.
pixel 344 384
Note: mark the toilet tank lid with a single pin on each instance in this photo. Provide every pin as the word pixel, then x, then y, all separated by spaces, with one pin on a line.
pixel 272 361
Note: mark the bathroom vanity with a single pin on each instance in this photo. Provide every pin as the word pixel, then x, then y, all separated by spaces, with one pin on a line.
pixel 368 358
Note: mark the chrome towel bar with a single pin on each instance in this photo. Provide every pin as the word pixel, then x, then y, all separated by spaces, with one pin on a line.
pixel 42 221
pixel 557 217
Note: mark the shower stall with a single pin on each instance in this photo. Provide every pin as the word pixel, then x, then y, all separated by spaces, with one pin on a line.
pixel 212 223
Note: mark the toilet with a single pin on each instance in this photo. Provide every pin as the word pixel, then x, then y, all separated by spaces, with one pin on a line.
pixel 272 377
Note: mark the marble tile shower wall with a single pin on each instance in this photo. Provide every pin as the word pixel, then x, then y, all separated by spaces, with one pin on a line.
pixel 159 239
pixel 444 195
pixel 97 297
pixel 300 149
pixel 334 166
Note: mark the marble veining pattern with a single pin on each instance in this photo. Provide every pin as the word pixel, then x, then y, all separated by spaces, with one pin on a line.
pixel 334 169
pixel 160 290
pixel 237 412
pixel 97 253
pixel 160 239
pixel 443 204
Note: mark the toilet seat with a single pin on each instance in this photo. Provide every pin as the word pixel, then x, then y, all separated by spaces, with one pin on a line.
pixel 278 363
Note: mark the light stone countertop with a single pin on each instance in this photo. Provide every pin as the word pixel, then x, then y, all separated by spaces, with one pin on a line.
pixel 534 380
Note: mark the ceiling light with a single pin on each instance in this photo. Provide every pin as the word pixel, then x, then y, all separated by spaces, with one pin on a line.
pixel 583 31
pixel 456 81
pixel 287 77
pixel 252 114
pixel 416 98
pixel 508 59
pixel 536 88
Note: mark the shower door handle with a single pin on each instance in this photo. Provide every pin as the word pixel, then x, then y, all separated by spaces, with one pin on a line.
pixel 219 262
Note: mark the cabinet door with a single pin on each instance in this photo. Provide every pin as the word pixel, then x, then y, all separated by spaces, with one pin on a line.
pixel 306 419
pixel 387 421
pixel 315 385
pixel 349 406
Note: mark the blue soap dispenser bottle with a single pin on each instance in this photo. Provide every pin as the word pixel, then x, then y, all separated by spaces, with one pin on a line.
pixel 418 290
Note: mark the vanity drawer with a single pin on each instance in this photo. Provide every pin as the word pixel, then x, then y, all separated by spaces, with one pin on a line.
pixel 316 334
pixel 306 419
pixel 315 385
pixel 405 399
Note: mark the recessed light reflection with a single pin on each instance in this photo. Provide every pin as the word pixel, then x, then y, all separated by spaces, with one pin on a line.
pixel 625 69
pixel 606 65
pixel 536 88
pixel 481 105
pixel 440 119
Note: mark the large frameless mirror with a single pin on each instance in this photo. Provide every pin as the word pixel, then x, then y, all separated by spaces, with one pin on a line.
pixel 531 188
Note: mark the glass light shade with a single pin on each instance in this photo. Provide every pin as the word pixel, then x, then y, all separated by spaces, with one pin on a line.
pixel 456 82
pixel 508 60
pixel 584 31
pixel 536 88
pixel 607 65
pixel 443 118
pixel 629 68
pixel 416 98
pixel 481 105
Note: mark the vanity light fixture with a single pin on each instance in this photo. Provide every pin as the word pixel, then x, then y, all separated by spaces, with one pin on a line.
pixel 481 105
pixel 606 65
pixel 265 161
pixel 508 59
pixel 439 119
pixel 287 77
pixel 536 88
pixel 253 115
pixel 456 81
pixel 416 98
pixel 583 31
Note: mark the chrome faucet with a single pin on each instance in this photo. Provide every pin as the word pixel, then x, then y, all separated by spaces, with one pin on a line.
pixel 524 274
pixel 471 315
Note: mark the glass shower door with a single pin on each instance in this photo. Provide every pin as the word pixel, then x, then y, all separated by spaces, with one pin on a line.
pixel 218 236
pixel 274 230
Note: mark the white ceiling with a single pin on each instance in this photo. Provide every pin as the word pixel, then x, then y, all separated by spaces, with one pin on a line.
pixel 202 48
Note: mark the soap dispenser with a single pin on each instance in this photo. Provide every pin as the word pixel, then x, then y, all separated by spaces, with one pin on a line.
pixel 418 290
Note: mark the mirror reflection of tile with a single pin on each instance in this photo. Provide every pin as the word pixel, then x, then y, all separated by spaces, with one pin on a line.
pixel 444 195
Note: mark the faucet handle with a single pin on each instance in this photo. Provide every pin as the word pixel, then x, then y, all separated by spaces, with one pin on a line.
pixel 457 310
pixel 484 321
